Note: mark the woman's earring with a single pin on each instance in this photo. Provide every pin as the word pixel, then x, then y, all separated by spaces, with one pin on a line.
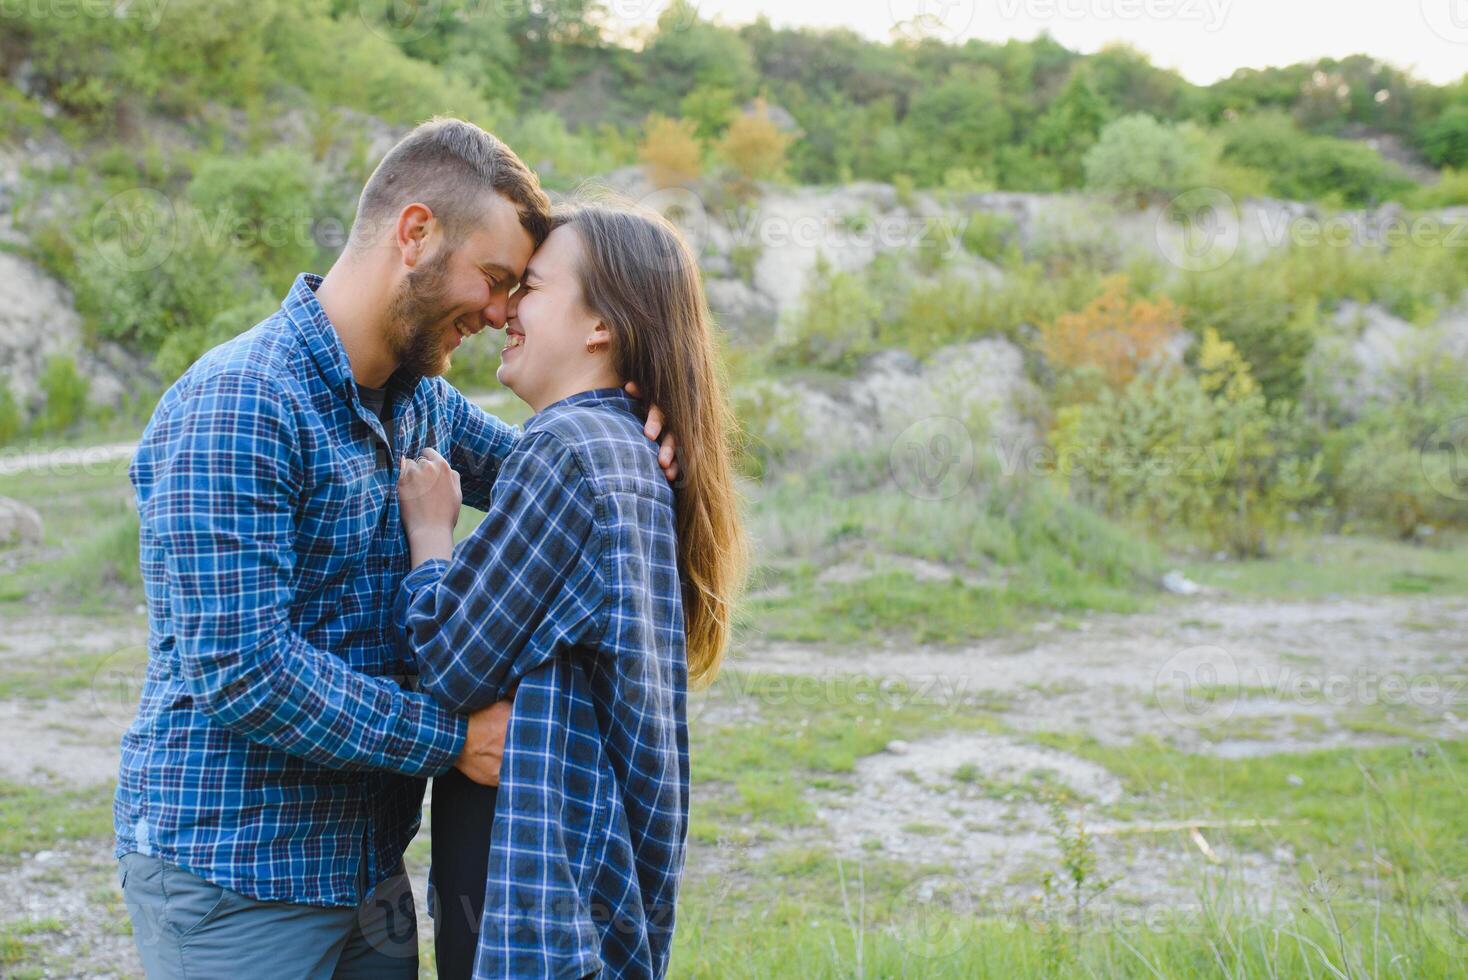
pixel 590 347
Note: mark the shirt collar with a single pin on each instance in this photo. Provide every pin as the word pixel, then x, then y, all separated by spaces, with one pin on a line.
pixel 611 397
pixel 304 311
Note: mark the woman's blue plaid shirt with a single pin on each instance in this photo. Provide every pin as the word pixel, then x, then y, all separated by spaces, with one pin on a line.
pixel 568 596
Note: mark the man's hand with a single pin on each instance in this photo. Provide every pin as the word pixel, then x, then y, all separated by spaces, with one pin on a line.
pixel 484 746
pixel 668 453
pixel 429 499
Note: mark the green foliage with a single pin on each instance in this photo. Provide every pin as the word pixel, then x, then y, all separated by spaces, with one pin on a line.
pixel 836 321
pixel 988 235
pixel 12 423
pixel 1069 127
pixel 1445 139
pixel 711 108
pixel 1138 158
pixel 960 121
pixel 65 392
pixel 1450 191
pixel 267 205
pixel 689 53
pixel 1303 166
pixel 1205 453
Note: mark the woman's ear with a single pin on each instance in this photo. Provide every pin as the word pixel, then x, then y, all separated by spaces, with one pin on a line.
pixel 600 337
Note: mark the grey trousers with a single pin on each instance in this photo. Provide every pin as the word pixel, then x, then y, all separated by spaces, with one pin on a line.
pixel 187 928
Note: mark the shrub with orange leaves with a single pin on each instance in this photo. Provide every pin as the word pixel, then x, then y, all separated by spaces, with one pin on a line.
pixel 670 151
pixel 1116 334
pixel 755 146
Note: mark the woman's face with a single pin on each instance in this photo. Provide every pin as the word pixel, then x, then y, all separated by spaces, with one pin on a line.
pixel 545 357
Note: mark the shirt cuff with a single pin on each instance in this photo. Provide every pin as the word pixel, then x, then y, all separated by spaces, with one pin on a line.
pixel 429 740
pixel 414 582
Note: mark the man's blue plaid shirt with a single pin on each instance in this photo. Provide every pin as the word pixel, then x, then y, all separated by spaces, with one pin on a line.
pixel 568 596
pixel 272 743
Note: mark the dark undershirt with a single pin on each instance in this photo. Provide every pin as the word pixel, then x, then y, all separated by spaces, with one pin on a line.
pixel 375 400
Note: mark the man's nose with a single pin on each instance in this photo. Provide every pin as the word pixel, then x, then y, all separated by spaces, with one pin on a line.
pixel 497 312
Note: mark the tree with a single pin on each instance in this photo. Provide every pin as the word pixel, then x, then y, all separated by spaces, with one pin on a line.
pixel 1141 158
pixel 670 151
pixel 1070 126
pixel 1445 139
pixel 754 146
pixel 961 122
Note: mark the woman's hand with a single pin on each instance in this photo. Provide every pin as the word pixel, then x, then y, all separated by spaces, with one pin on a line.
pixel 429 499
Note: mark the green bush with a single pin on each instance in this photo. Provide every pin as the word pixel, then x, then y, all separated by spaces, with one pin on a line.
pixel 1303 166
pixel 988 235
pixel 267 205
pixel 65 392
pixel 1204 453
pixel 1139 158
pixel 836 322
pixel 12 423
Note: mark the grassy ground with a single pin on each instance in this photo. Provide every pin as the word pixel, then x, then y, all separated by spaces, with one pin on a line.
pixel 1375 836
pixel 1328 567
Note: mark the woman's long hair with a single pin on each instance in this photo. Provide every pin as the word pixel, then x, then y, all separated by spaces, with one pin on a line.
pixel 640 278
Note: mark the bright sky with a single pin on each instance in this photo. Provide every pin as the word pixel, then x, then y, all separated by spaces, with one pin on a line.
pixel 1203 39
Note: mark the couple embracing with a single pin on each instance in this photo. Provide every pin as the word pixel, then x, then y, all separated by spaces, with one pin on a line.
pixel 319 646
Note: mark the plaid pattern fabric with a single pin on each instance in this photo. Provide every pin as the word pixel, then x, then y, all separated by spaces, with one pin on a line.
pixel 568 597
pixel 272 744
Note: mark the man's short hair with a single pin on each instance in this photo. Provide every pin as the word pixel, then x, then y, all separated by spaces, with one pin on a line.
pixel 448 164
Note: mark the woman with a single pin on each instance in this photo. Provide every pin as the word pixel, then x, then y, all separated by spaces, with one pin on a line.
pixel 593 593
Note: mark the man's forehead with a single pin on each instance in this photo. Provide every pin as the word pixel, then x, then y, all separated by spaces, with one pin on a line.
pixel 503 251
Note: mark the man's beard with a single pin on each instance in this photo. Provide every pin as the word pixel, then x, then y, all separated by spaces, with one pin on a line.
pixel 414 317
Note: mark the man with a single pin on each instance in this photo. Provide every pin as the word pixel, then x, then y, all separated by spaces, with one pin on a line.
pixel 275 772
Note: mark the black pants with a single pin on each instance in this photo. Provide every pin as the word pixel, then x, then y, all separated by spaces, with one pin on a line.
pixel 463 816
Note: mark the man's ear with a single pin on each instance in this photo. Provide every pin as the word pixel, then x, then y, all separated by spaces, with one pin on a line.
pixel 415 222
